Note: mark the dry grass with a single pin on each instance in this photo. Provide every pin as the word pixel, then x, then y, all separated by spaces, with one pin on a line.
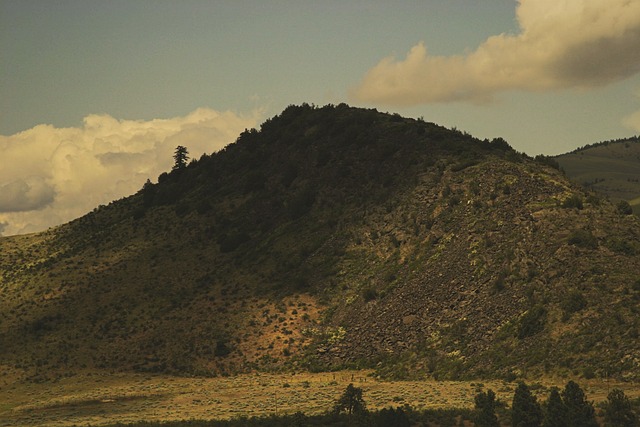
pixel 102 398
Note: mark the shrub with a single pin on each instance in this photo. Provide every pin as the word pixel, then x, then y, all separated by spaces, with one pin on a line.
pixel 574 201
pixel 369 294
pixel 624 207
pixel 593 200
pixel 583 238
pixel 222 349
pixel 301 202
pixel 621 246
pixel 573 303
pixel 532 322
pixel 547 160
pixel 229 242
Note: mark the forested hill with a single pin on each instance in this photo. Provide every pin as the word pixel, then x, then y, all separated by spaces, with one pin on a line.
pixel 334 237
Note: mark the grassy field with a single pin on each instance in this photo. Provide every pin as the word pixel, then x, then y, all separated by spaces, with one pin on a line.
pixel 102 398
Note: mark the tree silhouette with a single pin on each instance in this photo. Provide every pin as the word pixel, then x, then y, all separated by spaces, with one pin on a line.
pixel 351 401
pixel 180 157
pixel 580 413
pixel 525 410
pixel 485 415
pixel 618 411
pixel 555 414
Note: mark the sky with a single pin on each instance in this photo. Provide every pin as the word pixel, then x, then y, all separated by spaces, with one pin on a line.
pixel 96 94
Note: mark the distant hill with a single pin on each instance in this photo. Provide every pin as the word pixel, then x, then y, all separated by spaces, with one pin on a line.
pixel 611 168
pixel 334 237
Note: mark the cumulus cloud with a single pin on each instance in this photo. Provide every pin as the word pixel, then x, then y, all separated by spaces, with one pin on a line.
pixel 561 44
pixel 27 194
pixel 52 175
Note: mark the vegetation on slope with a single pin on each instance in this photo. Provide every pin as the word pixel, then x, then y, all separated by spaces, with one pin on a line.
pixel 611 168
pixel 334 237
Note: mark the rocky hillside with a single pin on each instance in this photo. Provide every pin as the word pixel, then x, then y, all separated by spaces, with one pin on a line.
pixel 334 237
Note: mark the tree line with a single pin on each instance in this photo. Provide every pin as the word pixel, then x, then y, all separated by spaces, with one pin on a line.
pixel 563 408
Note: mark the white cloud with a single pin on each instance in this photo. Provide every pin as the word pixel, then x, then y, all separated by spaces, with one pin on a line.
pixel 561 44
pixel 28 194
pixel 52 175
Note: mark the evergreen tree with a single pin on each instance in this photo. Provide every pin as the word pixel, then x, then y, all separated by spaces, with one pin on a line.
pixel 555 414
pixel 180 157
pixel 392 418
pixel 525 410
pixel 148 194
pixel 618 411
pixel 485 414
pixel 580 413
pixel 351 401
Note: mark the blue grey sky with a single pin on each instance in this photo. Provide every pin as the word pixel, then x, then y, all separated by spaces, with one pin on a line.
pixel 547 76
pixel 145 59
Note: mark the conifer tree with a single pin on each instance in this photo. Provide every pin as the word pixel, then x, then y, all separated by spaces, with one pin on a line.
pixel 618 411
pixel 525 410
pixel 580 413
pixel 180 157
pixel 555 414
pixel 485 414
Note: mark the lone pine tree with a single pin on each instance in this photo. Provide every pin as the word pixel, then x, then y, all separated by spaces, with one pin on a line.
pixel 180 157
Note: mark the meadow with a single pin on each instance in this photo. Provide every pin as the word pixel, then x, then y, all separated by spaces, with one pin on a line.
pixel 102 398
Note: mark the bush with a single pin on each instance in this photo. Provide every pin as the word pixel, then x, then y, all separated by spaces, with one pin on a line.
pixel 301 202
pixel 583 238
pixel 222 350
pixel 621 246
pixel 532 322
pixel 229 242
pixel 573 303
pixel 369 294
pixel 574 201
pixel 593 200
pixel 547 160
pixel 624 207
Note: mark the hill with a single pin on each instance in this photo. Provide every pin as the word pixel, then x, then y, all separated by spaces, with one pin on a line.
pixel 611 168
pixel 334 237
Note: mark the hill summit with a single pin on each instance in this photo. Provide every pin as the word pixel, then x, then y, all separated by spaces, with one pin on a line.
pixel 334 237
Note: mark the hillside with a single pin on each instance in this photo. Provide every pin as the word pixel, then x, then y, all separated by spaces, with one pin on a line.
pixel 334 237
pixel 611 168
